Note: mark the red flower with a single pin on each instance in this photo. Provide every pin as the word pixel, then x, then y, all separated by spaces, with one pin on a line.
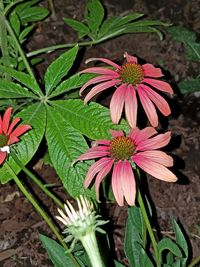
pixel 130 79
pixel 9 133
pixel 123 153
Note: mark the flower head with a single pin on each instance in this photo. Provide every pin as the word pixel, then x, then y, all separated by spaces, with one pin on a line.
pixel 81 224
pixel 123 154
pixel 129 79
pixel 9 133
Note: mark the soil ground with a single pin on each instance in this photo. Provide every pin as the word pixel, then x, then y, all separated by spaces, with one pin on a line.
pixel 20 224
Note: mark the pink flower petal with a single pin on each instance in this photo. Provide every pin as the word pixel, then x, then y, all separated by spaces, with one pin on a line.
pixel 19 131
pixel 151 71
pixel 96 80
pixel 6 120
pixel 160 85
pixel 104 171
pixel 144 134
pixel 156 156
pixel 105 60
pixel 100 70
pixel 1 125
pixel 158 100
pixel 13 140
pixel 99 88
pixel 3 156
pixel 93 153
pixel 115 133
pixel 94 169
pixel 133 133
pixel 117 103
pixel 155 142
pixel 131 106
pixel 155 169
pixel 117 183
pixel 12 125
pixel 128 182
pixel 129 58
pixel 103 142
pixel 148 106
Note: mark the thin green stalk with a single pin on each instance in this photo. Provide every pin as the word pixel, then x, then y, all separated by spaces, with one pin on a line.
pixel 56 47
pixel 38 209
pixel 148 225
pixel 37 181
pixel 195 261
pixel 18 46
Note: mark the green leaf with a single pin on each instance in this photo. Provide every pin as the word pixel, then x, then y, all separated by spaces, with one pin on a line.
pixel 65 144
pixel 59 68
pixel 80 27
pixel 180 240
pixel 168 244
pixel 74 82
pixel 189 86
pixel 118 264
pixel 57 253
pixel 189 39
pixel 15 22
pixel 92 120
pixel 94 16
pixel 33 14
pixel 25 32
pixel 35 116
pixel 23 78
pixel 144 259
pixel 13 90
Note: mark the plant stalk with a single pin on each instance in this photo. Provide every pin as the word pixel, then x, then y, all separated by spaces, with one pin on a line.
pixel 38 209
pixel 37 181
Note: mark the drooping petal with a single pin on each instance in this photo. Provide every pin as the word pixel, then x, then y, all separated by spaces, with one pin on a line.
pixel 94 169
pixel 115 133
pixel 128 182
pixel 156 156
pixel 1 122
pixel 93 153
pixel 100 70
pixel 158 100
pixel 131 106
pixel 105 60
pixel 103 172
pixel 160 85
pixel 3 156
pixel 19 131
pixel 129 58
pixel 155 142
pixel 148 106
pixel 6 120
pixel 95 80
pixel 144 134
pixel 155 169
pixel 12 125
pixel 151 71
pixel 117 184
pixel 99 88
pixel 117 103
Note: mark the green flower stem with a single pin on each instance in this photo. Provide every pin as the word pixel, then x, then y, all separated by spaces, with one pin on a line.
pixel 195 261
pixel 37 181
pixel 18 46
pixel 149 228
pixel 56 47
pixel 90 244
pixel 38 209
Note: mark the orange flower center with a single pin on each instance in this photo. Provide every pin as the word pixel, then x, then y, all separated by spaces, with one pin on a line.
pixel 121 148
pixel 131 73
pixel 3 140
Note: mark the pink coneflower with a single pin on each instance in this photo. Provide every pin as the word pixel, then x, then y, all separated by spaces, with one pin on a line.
pixel 128 79
pixel 9 135
pixel 123 154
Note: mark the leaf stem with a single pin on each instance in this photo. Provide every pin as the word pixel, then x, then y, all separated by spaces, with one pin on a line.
pixel 38 209
pixel 148 225
pixel 195 261
pixel 36 181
